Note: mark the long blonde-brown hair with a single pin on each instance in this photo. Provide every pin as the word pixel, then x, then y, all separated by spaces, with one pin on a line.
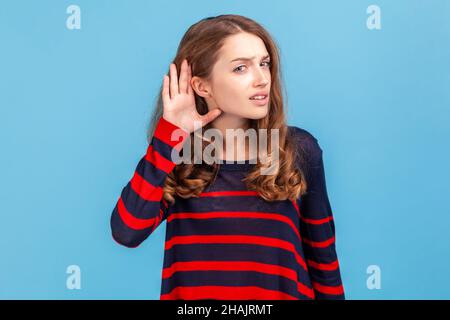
pixel 200 45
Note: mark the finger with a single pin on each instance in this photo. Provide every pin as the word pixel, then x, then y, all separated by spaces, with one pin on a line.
pixel 165 90
pixel 173 81
pixel 183 77
pixel 210 116
pixel 190 90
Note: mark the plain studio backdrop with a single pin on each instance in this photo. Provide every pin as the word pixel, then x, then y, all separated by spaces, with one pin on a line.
pixel 371 80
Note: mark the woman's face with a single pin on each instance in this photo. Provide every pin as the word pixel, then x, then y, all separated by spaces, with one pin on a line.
pixel 242 71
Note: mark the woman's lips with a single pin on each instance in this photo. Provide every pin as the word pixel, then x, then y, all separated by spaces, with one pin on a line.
pixel 260 102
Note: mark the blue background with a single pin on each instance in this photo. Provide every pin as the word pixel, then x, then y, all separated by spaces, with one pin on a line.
pixel 75 105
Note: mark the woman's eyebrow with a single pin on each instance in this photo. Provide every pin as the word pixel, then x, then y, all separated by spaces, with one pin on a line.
pixel 248 58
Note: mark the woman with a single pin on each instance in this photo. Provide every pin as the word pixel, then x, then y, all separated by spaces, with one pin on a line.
pixel 232 232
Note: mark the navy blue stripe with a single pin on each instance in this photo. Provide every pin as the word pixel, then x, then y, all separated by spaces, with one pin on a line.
pixel 149 172
pixel 320 255
pixel 316 232
pixel 163 149
pixel 324 296
pixel 327 278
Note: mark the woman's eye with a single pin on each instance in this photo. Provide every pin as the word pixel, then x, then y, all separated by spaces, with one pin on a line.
pixel 237 69
pixel 268 63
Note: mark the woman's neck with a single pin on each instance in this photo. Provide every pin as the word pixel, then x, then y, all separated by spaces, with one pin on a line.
pixel 230 122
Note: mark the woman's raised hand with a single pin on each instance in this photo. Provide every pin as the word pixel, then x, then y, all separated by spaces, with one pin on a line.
pixel 179 100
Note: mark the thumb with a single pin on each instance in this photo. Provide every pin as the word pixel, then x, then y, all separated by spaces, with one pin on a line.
pixel 210 116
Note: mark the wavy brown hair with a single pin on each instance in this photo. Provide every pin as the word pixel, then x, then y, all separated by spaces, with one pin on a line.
pixel 200 45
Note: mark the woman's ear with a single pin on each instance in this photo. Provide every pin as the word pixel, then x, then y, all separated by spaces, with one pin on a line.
pixel 200 86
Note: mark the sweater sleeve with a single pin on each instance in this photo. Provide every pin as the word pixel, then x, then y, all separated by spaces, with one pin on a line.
pixel 317 228
pixel 141 207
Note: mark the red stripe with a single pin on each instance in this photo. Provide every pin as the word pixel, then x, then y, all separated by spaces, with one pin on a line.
pixel 226 293
pixel 234 214
pixel 323 266
pixel 336 290
pixel 239 266
pixel 155 158
pixel 145 189
pixel 306 290
pixel 240 239
pixel 130 220
pixel 319 244
pixel 164 130
pixel 317 221
pixel 228 193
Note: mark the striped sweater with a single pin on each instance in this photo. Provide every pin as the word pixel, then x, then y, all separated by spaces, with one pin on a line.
pixel 229 243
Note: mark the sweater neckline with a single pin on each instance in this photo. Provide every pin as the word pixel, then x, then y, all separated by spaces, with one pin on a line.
pixel 237 165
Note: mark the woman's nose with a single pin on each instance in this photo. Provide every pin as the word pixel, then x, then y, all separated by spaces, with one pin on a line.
pixel 261 78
